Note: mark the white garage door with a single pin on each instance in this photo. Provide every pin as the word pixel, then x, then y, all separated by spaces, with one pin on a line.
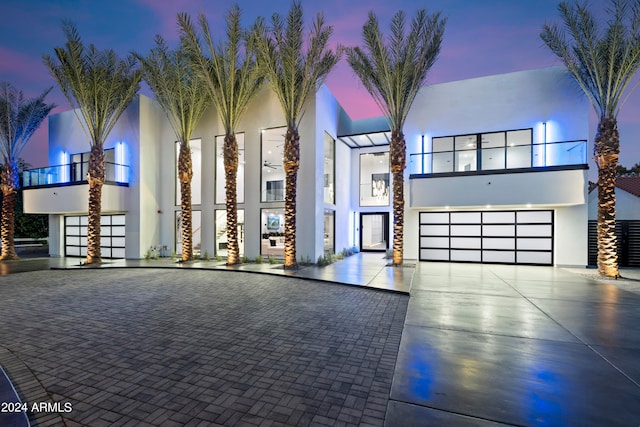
pixel 112 232
pixel 509 237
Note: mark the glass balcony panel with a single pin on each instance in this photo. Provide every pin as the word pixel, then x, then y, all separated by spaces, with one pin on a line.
pixel 466 161
pixel 442 162
pixel 492 158
pixel 566 153
pixel 415 164
pixel 519 156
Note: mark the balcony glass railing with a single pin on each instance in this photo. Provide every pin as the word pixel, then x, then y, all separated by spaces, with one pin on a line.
pixel 563 153
pixel 72 172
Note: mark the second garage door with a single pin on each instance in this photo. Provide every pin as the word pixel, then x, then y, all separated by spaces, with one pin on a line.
pixel 509 237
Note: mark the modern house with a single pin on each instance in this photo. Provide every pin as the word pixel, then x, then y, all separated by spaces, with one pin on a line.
pixel 627 221
pixel 497 173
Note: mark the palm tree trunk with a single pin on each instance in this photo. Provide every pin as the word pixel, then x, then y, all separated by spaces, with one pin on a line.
pixel 185 173
pixel 607 149
pixel 398 160
pixel 291 165
pixel 231 174
pixel 95 177
pixel 9 183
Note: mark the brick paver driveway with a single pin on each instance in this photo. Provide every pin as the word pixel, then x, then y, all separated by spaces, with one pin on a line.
pixel 172 347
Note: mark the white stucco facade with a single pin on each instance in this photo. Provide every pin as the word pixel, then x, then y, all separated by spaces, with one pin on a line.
pixel 343 200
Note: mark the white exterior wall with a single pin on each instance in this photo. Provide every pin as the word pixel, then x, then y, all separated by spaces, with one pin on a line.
pixel 550 188
pixel 144 176
pixel 345 221
pixel 263 113
pixel 570 236
pixel 519 100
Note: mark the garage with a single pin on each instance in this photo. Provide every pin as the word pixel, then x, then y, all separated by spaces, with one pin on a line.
pixel 112 235
pixel 505 237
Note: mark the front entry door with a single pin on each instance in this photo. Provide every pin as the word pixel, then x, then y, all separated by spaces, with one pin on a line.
pixel 374 231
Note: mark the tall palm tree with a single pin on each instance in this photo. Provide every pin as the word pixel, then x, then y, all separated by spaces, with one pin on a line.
pixel 294 73
pixel 603 63
pixel 233 79
pixel 184 99
pixel 19 119
pixel 393 71
pixel 99 86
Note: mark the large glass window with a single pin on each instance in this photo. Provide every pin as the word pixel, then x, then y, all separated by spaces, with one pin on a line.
pixel 196 229
pixel 272 230
pixel 273 179
pixel 221 231
pixel 329 169
pixel 519 149
pixel 80 165
pixel 374 179
pixel 493 154
pixel 196 180
pixel 221 196
pixel 483 151
pixel 442 154
pixel 466 153
pixel 329 236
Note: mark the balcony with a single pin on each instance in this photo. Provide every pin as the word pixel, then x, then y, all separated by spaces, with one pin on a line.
pixel 551 174
pixel 72 173
pixel 505 159
pixel 63 189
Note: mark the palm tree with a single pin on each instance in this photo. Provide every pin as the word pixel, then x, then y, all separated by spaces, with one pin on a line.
pixel 19 119
pixel 184 98
pixel 233 79
pixel 393 72
pixel 99 86
pixel 603 63
pixel 294 74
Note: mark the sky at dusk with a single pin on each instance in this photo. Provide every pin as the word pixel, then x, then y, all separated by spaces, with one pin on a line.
pixel 482 37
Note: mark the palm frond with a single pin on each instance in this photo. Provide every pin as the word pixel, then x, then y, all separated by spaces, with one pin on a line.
pixel 97 83
pixel 229 68
pixel 294 73
pixel 181 93
pixel 19 119
pixel 393 71
pixel 602 63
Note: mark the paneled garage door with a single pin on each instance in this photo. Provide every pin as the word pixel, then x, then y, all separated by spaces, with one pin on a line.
pixel 112 232
pixel 509 237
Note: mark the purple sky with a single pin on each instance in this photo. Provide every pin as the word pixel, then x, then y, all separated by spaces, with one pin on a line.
pixel 482 37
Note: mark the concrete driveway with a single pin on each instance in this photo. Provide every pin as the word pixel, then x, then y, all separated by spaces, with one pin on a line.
pixel 537 346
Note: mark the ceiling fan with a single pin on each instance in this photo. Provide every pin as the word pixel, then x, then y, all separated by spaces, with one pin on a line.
pixel 268 164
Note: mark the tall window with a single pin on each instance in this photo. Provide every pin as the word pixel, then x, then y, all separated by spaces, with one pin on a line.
pixel 196 180
pixel 273 179
pixel 221 179
pixel 329 228
pixel 374 179
pixel 272 230
pixel 196 222
pixel 329 169
pixel 221 231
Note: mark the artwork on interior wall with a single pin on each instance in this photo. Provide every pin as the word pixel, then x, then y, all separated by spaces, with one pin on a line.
pixel 380 185
pixel 273 222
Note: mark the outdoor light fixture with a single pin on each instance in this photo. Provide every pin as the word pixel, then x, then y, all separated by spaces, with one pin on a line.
pixel 64 170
